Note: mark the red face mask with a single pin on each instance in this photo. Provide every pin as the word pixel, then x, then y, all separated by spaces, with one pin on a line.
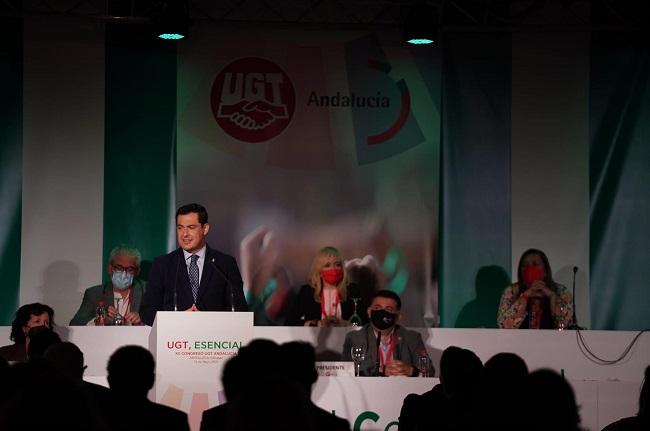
pixel 532 273
pixel 332 276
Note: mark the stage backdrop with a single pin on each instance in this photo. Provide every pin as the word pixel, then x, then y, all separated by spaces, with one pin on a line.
pixel 296 140
pixel 89 154
pixel 619 176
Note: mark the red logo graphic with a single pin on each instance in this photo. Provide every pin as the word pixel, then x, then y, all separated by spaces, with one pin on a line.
pixel 253 100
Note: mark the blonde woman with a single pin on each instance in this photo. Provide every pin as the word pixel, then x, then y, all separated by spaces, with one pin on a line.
pixel 325 301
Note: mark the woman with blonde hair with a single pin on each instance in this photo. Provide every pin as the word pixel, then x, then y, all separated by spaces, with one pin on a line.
pixel 326 300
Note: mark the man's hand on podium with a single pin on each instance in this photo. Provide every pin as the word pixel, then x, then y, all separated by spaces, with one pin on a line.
pixel 192 308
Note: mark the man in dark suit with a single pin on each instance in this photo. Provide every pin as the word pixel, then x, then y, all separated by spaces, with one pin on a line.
pixel 193 277
pixel 398 351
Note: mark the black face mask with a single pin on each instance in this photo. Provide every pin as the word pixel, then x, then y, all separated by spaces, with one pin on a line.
pixel 382 319
pixel 37 331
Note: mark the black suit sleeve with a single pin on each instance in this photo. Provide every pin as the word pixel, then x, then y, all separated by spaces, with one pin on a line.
pixel 304 308
pixel 237 285
pixel 86 310
pixel 153 299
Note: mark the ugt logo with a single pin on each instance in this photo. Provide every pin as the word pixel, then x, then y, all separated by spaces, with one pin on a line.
pixel 253 100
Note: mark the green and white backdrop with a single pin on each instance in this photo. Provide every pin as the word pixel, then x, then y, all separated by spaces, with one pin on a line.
pixel 508 141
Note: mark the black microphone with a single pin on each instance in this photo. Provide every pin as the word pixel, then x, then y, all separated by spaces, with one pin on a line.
pixel 378 363
pixel 178 262
pixel 574 323
pixel 228 283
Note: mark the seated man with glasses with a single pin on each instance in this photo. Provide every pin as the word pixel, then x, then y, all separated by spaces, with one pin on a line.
pixel 121 296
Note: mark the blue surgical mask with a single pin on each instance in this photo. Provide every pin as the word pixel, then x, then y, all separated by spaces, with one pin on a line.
pixel 122 279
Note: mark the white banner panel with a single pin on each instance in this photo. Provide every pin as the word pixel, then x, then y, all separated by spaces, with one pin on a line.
pixel 190 351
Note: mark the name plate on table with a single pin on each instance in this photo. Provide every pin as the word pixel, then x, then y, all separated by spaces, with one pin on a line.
pixel 327 369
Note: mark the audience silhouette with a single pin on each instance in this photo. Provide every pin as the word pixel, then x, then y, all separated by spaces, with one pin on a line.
pixel 131 374
pixel 5 388
pixel 68 360
pixel 549 403
pixel 43 399
pixel 277 380
pixel 448 404
pixel 280 404
pixel 257 359
pixel 298 361
pixel 640 422
pixel 40 339
pixel 503 375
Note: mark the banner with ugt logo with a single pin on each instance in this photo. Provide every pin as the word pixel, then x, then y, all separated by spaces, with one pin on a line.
pixel 299 139
pixel 253 100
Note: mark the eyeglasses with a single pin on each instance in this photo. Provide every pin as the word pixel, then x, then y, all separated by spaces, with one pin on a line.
pixel 128 269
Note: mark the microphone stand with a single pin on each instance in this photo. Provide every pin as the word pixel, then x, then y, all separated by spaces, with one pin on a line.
pixel 228 283
pixel 377 362
pixel 574 322
pixel 178 263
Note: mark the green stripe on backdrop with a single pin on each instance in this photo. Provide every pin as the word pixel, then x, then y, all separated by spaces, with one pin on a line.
pixel 11 143
pixel 619 176
pixel 140 140
pixel 475 208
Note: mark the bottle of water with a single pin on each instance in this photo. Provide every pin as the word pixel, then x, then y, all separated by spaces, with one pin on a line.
pixel 100 313
pixel 423 363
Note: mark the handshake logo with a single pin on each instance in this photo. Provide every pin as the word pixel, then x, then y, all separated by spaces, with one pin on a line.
pixel 253 100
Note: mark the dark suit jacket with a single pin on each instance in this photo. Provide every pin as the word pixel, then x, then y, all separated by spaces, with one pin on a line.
pixel 408 346
pixel 306 308
pixel 169 274
pixel 92 295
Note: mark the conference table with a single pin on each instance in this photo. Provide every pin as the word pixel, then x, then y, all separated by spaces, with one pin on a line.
pixel 604 391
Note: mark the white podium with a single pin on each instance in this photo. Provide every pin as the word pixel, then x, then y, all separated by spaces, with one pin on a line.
pixel 190 351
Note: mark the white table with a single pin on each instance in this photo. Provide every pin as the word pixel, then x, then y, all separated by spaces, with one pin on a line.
pixel 604 392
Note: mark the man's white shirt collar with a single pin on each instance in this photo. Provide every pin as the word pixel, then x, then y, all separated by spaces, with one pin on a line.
pixel 200 254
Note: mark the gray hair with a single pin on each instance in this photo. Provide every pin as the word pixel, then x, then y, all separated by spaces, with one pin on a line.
pixel 125 250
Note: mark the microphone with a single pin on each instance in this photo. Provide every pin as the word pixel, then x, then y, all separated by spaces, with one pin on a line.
pixel 574 323
pixel 178 262
pixel 377 362
pixel 228 283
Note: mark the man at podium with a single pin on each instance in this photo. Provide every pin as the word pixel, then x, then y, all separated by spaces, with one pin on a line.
pixel 194 277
